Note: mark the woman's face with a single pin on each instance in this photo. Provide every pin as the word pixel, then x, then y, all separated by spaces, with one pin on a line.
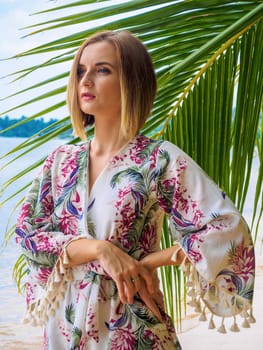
pixel 98 81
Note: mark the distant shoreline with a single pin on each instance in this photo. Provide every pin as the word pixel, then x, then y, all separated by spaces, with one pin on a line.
pixel 22 127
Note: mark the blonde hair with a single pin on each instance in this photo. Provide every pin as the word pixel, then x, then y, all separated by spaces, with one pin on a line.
pixel 137 83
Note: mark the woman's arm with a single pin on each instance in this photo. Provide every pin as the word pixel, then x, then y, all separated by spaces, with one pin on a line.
pixel 209 228
pixel 82 251
pixel 166 257
pixel 120 266
pixel 174 255
pixel 129 274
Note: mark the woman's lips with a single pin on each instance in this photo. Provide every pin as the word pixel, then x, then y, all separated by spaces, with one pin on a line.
pixel 87 96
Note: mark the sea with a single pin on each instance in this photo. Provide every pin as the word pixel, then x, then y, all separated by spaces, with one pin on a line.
pixel 12 304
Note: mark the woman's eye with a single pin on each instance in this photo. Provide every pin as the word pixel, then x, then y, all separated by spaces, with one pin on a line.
pixel 103 70
pixel 80 72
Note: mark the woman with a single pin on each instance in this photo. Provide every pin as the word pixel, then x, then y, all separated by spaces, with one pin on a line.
pixel 90 226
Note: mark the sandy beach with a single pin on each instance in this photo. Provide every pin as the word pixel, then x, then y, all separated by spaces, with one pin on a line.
pixel 194 334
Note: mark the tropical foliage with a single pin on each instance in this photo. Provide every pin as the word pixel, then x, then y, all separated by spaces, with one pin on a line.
pixel 208 57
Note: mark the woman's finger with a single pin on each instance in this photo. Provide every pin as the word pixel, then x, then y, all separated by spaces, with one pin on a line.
pixel 121 290
pixel 158 298
pixel 150 303
pixel 148 279
pixel 130 289
pixel 137 282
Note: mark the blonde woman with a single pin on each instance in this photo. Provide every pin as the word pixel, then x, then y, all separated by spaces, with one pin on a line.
pixel 90 226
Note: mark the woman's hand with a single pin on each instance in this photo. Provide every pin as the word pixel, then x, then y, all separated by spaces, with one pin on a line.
pixel 129 275
pixel 155 301
pixel 132 277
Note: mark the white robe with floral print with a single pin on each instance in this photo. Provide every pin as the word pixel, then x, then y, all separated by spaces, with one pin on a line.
pixel 80 306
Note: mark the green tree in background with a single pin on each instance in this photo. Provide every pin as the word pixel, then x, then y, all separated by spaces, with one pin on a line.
pixel 208 58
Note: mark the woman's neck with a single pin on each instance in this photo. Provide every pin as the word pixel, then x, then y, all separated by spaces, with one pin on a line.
pixel 107 141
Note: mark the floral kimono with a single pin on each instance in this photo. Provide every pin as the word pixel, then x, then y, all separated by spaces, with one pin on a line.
pixel 79 306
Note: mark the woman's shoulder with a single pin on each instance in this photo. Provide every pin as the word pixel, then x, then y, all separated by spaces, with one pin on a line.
pixel 160 145
pixel 66 152
pixel 174 151
pixel 70 148
pixel 170 147
pixel 143 141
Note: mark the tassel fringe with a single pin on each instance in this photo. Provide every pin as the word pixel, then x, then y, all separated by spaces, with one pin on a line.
pixel 211 324
pixel 215 298
pixel 234 327
pixel 222 328
pixel 39 312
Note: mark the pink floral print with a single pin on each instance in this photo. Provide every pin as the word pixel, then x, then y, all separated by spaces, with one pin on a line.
pixel 145 181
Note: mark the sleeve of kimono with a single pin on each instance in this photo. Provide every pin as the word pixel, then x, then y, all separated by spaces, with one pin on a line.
pixel 211 232
pixel 42 245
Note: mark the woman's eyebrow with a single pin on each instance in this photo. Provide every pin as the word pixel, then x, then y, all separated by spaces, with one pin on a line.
pixel 101 63
pixel 104 62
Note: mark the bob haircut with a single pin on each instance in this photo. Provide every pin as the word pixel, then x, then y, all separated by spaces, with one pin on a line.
pixel 137 83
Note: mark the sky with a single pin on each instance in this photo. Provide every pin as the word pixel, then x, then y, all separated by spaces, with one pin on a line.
pixel 14 15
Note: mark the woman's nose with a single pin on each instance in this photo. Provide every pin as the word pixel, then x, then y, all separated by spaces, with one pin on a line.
pixel 87 80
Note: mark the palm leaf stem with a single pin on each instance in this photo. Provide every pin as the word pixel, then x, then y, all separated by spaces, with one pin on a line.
pixel 198 75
